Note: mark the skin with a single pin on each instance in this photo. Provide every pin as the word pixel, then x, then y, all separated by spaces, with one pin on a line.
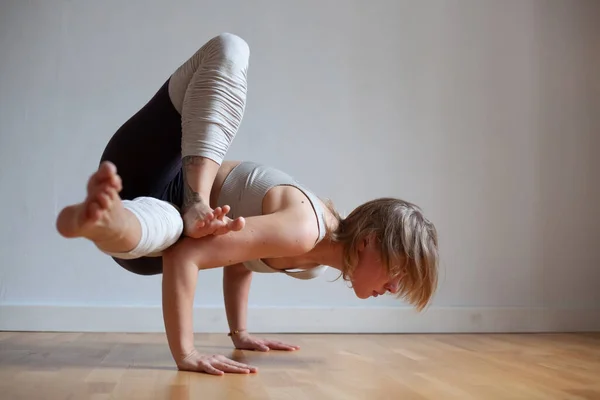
pixel 199 218
pixel 283 237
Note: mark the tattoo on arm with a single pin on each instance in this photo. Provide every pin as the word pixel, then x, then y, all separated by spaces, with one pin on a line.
pixel 190 196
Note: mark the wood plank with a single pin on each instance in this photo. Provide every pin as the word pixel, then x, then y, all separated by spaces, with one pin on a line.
pixel 461 366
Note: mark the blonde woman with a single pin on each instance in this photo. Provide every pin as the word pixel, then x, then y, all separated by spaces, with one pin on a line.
pixel 251 217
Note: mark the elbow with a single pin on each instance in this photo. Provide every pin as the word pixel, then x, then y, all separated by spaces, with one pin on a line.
pixel 304 240
pixel 177 255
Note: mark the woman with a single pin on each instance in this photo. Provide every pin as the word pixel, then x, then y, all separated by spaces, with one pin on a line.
pixel 164 201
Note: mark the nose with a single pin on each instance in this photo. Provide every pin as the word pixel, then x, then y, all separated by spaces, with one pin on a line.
pixel 392 287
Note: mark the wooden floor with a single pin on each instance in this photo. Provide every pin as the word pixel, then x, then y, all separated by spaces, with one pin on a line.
pixel 138 366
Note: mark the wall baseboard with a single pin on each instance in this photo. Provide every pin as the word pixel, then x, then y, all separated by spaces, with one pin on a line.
pixel 304 319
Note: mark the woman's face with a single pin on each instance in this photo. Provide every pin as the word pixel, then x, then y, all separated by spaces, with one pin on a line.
pixel 370 277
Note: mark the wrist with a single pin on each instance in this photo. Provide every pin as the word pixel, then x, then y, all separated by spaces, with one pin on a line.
pixel 181 357
pixel 237 333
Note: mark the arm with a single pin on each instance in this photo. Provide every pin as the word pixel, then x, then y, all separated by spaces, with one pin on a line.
pixel 287 233
pixel 179 284
pixel 178 288
pixel 236 288
pixel 275 235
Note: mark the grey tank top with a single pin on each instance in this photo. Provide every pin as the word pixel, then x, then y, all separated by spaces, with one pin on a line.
pixel 244 190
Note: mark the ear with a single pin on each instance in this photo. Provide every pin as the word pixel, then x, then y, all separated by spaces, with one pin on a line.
pixel 366 241
pixel 363 243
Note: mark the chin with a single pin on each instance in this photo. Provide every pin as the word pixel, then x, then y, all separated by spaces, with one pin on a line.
pixel 361 295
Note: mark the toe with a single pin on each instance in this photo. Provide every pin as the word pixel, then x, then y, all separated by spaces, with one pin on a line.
pixel 218 213
pixel 101 194
pixel 93 211
pixel 106 172
pixel 103 199
pixel 237 224
pixel 116 182
pixel 113 194
pixel 107 169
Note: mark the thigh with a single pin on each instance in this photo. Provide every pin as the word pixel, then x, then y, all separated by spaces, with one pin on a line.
pixel 142 265
pixel 147 148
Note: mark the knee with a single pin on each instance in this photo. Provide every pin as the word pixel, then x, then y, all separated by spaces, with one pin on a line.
pixel 178 253
pixel 179 256
pixel 231 47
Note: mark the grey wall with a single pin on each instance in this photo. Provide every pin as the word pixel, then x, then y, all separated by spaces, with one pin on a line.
pixel 486 113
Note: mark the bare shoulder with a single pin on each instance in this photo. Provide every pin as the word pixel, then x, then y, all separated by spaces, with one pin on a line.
pixel 294 208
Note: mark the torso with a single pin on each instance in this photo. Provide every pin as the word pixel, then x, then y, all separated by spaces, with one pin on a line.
pixel 277 199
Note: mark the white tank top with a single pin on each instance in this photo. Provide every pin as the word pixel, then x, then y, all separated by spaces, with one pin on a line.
pixel 244 190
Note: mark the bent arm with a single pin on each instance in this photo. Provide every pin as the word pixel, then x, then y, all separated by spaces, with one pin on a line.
pixel 282 234
pixel 275 235
pixel 237 280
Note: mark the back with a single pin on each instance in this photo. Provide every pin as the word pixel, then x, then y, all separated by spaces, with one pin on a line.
pixel 244 190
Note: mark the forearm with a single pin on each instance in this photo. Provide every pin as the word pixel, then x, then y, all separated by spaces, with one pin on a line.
pixel 236 288
pixel 178 289
pixel 199 175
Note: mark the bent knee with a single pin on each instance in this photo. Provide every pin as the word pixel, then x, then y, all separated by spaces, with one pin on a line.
pixel 178 253
pixel 231 47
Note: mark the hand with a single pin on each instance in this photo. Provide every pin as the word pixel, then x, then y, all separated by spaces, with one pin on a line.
pixel 200 220
pixel 244 341
pixel 213 364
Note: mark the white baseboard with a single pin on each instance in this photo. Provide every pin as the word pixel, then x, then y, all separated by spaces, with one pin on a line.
pixel 304 320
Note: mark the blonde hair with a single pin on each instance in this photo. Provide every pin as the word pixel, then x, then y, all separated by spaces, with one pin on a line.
pixel 408 242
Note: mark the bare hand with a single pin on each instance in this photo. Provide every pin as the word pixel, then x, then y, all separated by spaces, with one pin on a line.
pixel 200 220
pixel 215 364
pixel 247 342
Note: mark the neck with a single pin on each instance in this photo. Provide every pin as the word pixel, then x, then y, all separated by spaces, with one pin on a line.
pixel 327 253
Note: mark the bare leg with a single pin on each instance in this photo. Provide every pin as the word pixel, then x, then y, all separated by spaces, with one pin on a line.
pixel 101 218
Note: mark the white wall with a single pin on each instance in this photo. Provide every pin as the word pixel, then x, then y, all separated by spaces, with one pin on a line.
pixel 486 113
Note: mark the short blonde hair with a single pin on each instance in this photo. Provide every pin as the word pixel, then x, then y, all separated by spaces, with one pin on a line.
pixel 408 242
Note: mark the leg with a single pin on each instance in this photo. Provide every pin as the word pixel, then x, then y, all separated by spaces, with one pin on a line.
pixel 147 152
pixel 101 218
pixel 128 229
pixel 209 91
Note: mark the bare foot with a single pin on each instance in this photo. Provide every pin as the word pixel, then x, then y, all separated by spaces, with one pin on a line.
pixel 101 217
pixel 200 220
